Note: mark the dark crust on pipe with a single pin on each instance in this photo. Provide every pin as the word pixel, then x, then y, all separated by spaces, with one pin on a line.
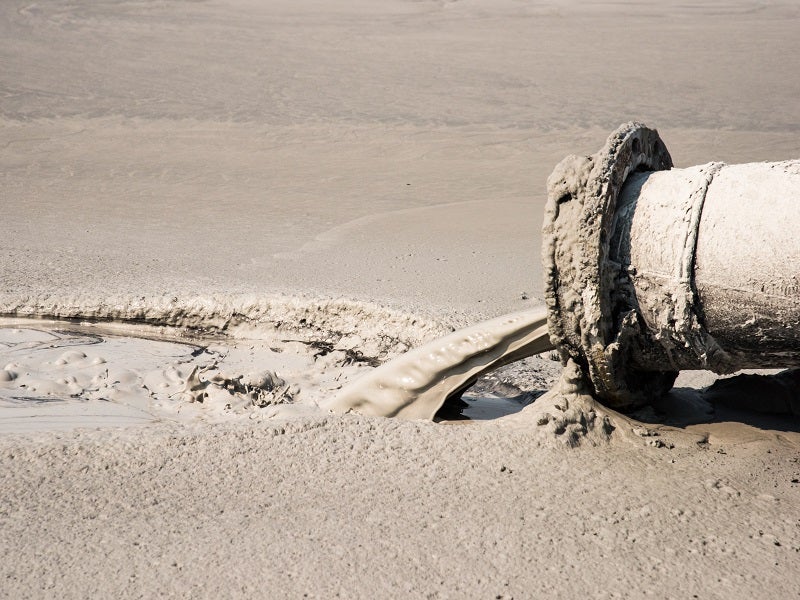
pixel 591 316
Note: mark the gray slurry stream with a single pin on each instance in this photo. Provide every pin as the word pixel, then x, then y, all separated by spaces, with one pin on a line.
pixel 64 375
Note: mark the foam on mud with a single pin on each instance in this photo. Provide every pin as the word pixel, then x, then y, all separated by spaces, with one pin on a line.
pixel 58 375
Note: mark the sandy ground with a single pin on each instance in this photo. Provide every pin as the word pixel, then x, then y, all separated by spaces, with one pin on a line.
pixel 308 189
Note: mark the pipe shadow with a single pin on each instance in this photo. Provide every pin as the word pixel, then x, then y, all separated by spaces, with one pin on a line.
pixel 766 402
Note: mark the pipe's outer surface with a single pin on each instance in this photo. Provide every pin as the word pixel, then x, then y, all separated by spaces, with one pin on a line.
pixel 735 263
pixel 650 270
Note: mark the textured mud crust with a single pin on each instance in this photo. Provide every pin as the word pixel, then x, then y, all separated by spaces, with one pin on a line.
pixel 586 322
pixel 378 332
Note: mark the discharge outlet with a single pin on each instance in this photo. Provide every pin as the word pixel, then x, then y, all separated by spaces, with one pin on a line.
pixel 650 270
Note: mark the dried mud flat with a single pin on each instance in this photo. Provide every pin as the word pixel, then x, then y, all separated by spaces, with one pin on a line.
pixel 357 507
pixel 284 195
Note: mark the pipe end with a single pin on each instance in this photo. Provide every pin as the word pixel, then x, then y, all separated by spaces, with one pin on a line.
pixel 590 318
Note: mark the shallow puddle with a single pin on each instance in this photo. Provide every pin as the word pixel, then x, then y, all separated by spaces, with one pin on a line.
pixel 482 407
pixel 57 378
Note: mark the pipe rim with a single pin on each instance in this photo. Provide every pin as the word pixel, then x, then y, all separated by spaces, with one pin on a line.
pixel 587 319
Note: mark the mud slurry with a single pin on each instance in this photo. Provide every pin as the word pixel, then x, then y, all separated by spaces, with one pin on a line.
pixel 63 375
pixel 59 375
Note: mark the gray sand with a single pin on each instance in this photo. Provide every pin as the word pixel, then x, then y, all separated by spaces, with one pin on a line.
pixel 371 173
pixel 363 508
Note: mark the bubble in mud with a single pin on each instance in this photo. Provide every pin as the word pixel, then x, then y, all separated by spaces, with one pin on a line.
pixel 123 376
pixel 70 357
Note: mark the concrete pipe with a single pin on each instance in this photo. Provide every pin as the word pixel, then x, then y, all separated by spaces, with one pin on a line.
pixel 650 270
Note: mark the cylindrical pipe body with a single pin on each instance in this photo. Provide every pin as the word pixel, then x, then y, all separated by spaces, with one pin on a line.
pixel 747 263
pixel 720 242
